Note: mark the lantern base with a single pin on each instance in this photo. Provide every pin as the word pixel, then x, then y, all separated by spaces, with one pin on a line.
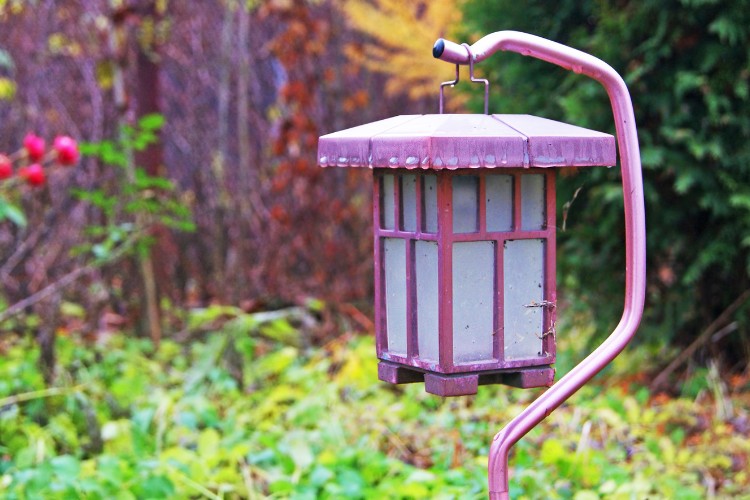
pixel 464 384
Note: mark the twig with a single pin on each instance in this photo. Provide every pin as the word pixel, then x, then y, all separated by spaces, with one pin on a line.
pixel 32 240
pixel 702 339
pixel 177 474
pixel 567 205
pixel 358 316
pixel 19 252
pixel 44 292
pixel 65 281
pixel 544 303
pixel 731 327
pixel 42 393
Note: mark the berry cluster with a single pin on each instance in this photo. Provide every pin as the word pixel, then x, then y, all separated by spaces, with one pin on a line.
pixel 34 157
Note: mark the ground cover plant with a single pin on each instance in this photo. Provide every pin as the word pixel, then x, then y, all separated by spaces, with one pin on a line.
pixel 261 415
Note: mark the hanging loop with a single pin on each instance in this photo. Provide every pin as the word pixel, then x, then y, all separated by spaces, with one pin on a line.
pixel 478 80
pixel 452 83
pixel 442 86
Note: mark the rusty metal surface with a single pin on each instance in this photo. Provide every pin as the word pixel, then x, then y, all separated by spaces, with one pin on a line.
pixel 466 141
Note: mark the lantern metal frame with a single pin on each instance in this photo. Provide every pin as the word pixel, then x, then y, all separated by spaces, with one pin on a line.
pixel 499 369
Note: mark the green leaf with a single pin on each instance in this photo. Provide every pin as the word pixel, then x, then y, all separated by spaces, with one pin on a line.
pixel 145 181
pixel 209 356
pixel 66 467
pixel 209 442
pixel 586 495
pixel 6 61
pixel 553 451
pixel 156 487
pixel 300 452
pixel 12 213
pixel 152 121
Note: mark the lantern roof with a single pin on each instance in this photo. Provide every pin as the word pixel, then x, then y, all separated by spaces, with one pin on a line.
pixel 451 141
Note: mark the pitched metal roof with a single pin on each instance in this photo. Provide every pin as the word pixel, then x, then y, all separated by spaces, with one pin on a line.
pixel 451 141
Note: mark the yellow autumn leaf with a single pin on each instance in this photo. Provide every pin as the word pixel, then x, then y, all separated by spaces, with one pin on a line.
pixel 402 35
pixel 105 74
pixel 7 89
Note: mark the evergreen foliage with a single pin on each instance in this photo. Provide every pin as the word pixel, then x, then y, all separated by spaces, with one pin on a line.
pixel 687 65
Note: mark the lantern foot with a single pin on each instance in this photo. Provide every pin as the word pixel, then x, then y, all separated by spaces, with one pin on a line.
pixel 397 374
pixel 465 384
pixel 451 385
pixel 525 378
pixel 434 383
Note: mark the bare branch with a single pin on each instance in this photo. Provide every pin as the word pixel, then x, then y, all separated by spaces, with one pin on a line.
pixel 701 340
pixel 67 280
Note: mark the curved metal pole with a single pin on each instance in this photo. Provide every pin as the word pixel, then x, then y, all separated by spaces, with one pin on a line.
pixel 635 228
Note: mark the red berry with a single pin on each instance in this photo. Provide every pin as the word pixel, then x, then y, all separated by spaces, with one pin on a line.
pixel 34 146
pixel 67 150
pixel 33 174
pixel 6 167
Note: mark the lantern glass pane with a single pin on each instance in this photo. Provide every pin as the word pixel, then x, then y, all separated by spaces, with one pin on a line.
pixel 387 202
pixel 465 203
pixel 409 202
pixel 523 273
pixel 429 197
pixel 533 213
pixel 473 301
pixel 499 191
pixel 395 293
pixel 426 267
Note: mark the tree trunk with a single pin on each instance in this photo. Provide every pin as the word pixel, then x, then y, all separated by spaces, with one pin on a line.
pixel 145 264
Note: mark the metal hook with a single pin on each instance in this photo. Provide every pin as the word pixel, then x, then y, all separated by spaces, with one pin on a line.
pixel 478 80
pixel 471 76
pixel 442 85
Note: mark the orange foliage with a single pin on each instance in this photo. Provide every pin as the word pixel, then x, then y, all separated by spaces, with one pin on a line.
pixel 310 234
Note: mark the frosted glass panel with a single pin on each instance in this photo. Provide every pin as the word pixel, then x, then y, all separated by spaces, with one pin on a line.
pixel 465 203
pixel 426 265
pixel 532 202
pixel 429 197
pixel 523 272
pixel 409 202
pixel 387 203
pixel 395 293
pixel 473 301
pixel 499 191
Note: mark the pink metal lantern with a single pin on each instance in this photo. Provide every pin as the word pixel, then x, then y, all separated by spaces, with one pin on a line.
pixel 464 223
pixel 464 238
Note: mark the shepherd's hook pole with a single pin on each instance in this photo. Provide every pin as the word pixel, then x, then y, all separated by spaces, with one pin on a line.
pixel 635 227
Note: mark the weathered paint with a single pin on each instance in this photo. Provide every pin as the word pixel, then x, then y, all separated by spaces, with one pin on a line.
pixel 466 141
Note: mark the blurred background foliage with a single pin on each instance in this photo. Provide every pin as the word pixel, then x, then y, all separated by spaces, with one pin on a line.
pixel 687 66
pixel 200 120
pixel 247 88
